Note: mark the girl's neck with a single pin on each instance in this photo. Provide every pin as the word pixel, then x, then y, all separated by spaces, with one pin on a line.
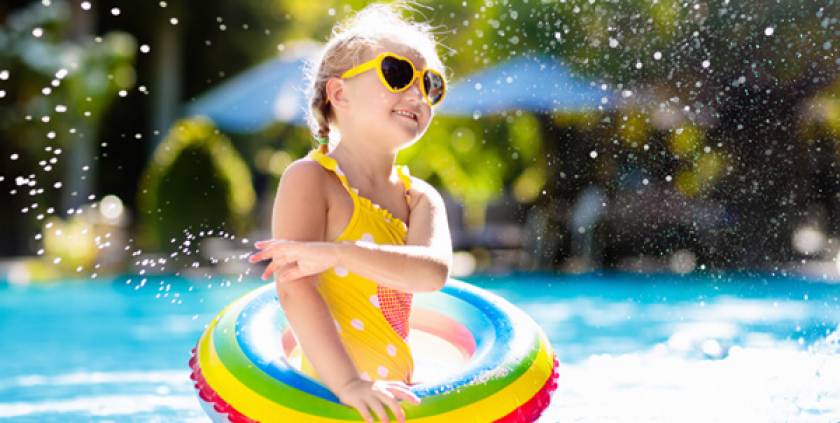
pixel 370 166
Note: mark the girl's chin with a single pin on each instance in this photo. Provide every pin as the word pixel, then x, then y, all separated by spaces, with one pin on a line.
pixel 412 129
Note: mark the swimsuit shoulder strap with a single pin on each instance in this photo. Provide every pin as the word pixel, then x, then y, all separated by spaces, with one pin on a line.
pixel 403 171
pixel 330 164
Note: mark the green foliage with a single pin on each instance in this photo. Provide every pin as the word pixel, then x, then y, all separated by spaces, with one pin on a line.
pixel 474 160
pixel 82 74
pixel 58 83
pixel 195 180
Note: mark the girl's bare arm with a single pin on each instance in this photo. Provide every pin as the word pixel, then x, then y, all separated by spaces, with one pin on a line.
pixel 423 263
pixel 299 213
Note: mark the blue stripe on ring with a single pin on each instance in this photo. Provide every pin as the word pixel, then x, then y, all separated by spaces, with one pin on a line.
pixel 279 369
pixel 493 332
pixel 491 327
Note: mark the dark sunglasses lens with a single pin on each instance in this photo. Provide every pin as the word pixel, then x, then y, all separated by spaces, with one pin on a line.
pixel 398 73
pixel 434 86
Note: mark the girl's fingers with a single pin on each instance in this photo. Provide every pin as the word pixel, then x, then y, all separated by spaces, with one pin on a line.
pixel 363 410
pixel 404 393
pixel 269 269
pixel 260 244
pixel 292 273
pixel 262 255
pixel 389 400
pixel 378 409
pixel 273 265
pixel 273 268
pixel 268 249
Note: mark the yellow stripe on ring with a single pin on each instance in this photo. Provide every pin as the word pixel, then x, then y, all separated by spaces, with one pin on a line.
pixel 244 400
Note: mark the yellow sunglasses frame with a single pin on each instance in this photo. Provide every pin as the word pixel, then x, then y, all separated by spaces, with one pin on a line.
pixel 376 63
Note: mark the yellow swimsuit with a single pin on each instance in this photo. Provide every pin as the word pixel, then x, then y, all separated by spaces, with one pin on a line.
pixel 372 320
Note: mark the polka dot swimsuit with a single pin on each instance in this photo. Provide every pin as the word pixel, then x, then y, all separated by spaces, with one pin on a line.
pixel 372 320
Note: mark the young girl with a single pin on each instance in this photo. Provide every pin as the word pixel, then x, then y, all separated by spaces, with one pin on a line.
pixel 354 235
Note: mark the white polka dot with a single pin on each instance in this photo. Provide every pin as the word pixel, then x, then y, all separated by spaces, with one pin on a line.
pixel 364 376
pixel 358 324
pixel 374 299
pixel 367 237
pixel 392 350
pixel 382 370
pixel 340 271
pixel 337 326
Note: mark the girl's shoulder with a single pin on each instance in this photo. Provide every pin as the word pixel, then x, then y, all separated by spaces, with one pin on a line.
pixel 307 177
pixel 304 171
pixel 422 191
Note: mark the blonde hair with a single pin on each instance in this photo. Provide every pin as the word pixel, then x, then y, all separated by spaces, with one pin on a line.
pixel 349 41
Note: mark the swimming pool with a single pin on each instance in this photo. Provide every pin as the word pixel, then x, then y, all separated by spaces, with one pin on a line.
pixel 632 347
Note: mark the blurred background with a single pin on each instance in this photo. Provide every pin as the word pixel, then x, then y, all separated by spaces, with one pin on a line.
pixel 640 135
pixel 608 153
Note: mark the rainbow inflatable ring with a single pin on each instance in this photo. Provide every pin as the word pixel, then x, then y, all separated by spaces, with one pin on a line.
pixel 487 361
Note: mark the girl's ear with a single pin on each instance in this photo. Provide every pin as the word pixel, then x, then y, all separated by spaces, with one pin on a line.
pixel 335 92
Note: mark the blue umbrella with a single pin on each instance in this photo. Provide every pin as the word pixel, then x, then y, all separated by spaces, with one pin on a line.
pixel 529 83
pixel 271 92
pixel 274 92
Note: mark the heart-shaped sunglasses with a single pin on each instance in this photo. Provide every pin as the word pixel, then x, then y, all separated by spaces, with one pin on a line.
pixel 397 73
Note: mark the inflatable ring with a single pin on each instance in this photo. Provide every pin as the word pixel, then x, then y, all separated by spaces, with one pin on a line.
pixel 504 367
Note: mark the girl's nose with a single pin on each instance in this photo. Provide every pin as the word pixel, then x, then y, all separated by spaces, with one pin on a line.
pixel 416 91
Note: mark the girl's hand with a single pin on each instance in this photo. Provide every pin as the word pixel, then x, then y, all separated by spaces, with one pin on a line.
pixel 363 395
pixel 295 259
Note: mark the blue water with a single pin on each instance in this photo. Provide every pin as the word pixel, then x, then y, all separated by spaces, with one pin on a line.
pixel 110 351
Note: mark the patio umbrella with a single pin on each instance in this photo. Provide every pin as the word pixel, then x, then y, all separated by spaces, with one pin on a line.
pixel 274 92
pixel 529 83
pixel 270 92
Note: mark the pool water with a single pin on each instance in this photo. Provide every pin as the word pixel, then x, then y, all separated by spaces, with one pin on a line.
pixel 631 347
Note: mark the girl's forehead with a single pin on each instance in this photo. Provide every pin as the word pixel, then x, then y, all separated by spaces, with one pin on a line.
pixel 411 54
